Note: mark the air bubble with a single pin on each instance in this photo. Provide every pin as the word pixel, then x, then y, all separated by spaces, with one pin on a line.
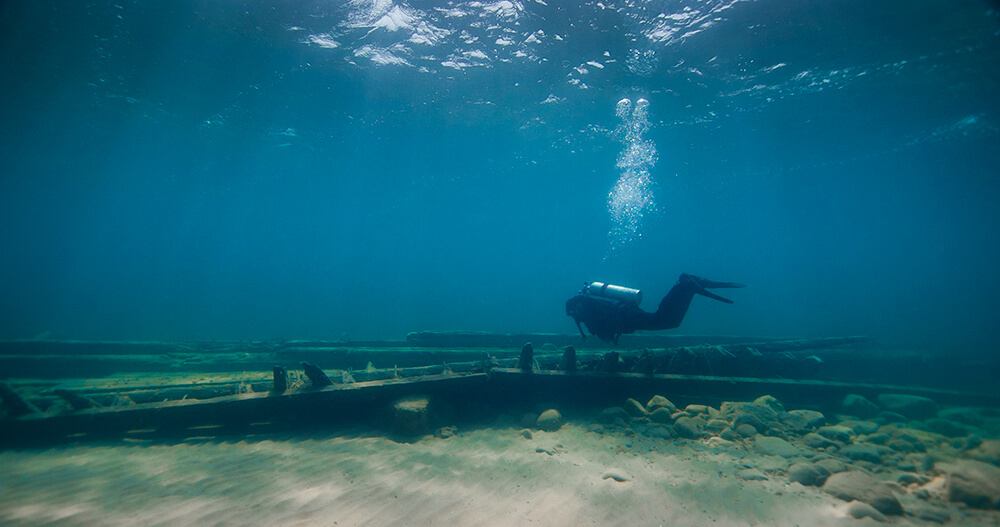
pixel 632 197
pixel 623 108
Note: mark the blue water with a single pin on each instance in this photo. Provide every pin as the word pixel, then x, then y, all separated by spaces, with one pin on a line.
pixel 279 170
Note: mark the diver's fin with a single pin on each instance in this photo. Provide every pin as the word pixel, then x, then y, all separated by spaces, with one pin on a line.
pixel 714 296
pixel 703 284
pixel 709 284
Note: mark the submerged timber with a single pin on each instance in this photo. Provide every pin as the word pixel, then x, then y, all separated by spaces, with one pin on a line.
pixel 57 391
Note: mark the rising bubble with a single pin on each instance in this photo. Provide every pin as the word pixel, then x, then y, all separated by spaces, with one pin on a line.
pixel 632 198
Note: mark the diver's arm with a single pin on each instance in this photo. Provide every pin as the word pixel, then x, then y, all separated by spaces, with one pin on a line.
pixel 582 334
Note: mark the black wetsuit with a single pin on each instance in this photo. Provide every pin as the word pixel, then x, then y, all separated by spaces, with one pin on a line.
pixel 609 319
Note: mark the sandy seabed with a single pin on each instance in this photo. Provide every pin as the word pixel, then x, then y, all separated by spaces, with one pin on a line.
pixel 485 476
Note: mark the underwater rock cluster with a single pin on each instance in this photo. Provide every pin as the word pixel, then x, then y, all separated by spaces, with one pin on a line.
pixel 900 454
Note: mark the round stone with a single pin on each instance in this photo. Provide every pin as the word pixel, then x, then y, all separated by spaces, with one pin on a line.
pixel 550 420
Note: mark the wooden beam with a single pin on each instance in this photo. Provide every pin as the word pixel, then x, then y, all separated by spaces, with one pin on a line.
pixel 236 414
pixel 581 386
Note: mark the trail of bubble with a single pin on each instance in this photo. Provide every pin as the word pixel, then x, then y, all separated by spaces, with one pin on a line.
pixel 632 197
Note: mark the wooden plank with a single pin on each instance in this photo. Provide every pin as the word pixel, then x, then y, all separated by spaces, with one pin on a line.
pixel 358 358
pixel 140 389
pixel 61 359
pixel 472 339
pixel 237 414
pixel 583 386
pixel 420 339
pixel 66 366
pixel 110 347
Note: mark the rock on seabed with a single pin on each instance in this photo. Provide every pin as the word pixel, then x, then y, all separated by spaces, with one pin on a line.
pixel 973 483
pixel 775 446
pixel 616 474
pixel 808 474
pixel 910 406
pixel 856 485
pixel 550 420
pixel 858 406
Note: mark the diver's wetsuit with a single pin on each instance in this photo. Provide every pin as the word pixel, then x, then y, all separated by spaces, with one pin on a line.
pixel 609 319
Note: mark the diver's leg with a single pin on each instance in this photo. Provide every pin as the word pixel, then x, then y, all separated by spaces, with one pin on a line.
pixel 637 319
pixel 674 306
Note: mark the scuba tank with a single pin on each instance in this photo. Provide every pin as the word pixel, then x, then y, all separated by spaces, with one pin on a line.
pixel 613 292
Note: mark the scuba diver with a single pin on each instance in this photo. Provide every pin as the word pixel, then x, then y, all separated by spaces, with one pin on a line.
pixel 610 311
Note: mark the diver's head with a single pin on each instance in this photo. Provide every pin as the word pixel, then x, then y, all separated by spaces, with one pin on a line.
pixel 574 306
